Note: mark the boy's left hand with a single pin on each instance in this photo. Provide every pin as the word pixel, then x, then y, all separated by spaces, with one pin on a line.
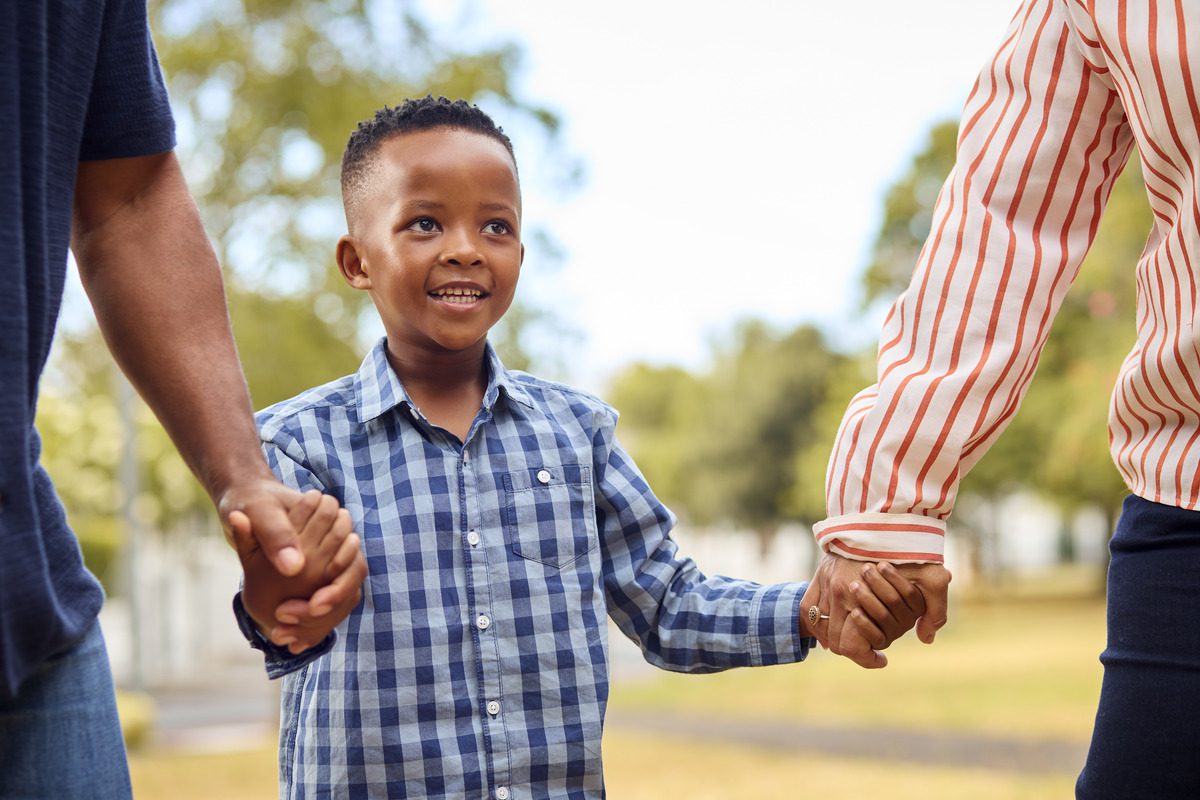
pixel 889 605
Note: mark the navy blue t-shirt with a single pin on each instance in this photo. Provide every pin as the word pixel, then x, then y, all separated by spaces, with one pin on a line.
pixel 79 80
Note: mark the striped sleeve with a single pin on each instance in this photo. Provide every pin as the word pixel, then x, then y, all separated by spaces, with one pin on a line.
pixel 1042 139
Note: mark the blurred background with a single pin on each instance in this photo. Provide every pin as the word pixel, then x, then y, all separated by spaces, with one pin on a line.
pixel 720 204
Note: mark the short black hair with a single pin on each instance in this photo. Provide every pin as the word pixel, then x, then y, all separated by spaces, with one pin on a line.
pixel 409 117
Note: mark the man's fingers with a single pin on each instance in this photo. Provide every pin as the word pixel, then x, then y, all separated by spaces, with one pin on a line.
pixel 276 536
pixel 265 503
pixel 240 534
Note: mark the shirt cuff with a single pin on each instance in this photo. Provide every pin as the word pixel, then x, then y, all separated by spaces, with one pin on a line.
pixel 898 538
pixel 775 633
pixel 279 660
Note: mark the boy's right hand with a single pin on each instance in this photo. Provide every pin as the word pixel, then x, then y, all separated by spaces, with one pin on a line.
pixel 333 556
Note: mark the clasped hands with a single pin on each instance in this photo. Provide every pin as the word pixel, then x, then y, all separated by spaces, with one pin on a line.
pixel 865 606
pixel 303 565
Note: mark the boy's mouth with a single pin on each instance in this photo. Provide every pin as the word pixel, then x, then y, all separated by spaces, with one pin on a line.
pixel 457 295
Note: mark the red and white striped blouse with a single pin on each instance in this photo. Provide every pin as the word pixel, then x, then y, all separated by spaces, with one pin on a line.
pixel 1047 128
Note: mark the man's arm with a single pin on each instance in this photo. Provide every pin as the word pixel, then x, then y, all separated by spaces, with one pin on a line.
pixel 1042 140
pixel 156 288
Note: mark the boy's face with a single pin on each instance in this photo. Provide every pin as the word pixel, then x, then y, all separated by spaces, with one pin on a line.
pixel 435 240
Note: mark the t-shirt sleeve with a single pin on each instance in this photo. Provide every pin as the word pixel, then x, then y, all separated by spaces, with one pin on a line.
pixel 129 113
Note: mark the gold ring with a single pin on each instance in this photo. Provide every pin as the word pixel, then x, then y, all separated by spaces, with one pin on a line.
pixel 815 615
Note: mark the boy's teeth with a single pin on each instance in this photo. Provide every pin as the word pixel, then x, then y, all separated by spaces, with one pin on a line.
pixel 458 295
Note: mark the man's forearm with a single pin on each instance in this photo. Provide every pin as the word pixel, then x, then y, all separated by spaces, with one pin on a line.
pixel 156 288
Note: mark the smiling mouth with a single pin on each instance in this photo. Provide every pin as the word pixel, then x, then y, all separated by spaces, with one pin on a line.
pixel 457 295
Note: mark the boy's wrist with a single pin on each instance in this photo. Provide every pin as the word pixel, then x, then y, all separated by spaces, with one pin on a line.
pixel 280 660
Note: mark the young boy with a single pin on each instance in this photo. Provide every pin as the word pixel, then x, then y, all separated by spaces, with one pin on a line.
pixel 502 522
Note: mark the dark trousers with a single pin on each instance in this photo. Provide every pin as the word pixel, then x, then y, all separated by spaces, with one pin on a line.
pixel 1146 743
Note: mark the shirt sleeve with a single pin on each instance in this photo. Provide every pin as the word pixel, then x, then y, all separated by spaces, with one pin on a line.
pixel 1042 139
pixel 683 620
pixel 279 660
pixel 129 113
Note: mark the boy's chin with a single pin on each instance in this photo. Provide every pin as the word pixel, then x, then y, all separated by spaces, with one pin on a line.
pixel 456 345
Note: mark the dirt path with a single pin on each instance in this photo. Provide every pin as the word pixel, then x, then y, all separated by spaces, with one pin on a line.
pixel 934 748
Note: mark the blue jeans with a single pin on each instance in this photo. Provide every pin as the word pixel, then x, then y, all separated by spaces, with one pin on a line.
pixel 60 737
pixel 1146 743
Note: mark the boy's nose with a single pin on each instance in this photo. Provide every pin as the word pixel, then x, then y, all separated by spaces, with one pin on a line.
pixel 461 251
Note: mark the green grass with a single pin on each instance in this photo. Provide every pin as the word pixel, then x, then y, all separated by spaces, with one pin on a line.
pixel 182 775
pixel 639 767
pixel 652 768
pixel 1012 667
pixel 1016 666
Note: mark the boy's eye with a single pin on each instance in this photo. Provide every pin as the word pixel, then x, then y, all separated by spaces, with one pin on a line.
pixel 497 227
pixel 423 224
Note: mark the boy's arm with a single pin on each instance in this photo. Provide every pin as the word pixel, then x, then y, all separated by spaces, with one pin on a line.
pixel 682 619
pixel 331 548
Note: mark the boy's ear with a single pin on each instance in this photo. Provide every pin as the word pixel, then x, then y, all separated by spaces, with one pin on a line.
pixel 354 271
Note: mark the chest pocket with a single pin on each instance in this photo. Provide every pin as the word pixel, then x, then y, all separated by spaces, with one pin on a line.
pixel 550 513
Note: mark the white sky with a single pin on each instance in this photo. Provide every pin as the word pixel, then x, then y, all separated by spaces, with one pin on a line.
pixel 736 155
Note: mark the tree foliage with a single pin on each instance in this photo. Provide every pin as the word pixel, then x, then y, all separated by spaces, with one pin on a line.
pixel 720 446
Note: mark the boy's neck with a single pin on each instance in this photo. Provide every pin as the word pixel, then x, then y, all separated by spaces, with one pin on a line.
pixel 448 387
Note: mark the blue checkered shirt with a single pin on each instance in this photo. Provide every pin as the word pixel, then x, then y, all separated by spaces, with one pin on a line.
pixel 476 665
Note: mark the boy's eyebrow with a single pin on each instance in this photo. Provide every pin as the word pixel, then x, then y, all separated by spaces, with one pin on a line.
pixel 496 207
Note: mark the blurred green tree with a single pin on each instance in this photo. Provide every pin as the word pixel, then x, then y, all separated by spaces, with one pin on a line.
pixel 720 447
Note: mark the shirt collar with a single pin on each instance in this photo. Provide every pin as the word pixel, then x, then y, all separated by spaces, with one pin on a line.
pixel 379 390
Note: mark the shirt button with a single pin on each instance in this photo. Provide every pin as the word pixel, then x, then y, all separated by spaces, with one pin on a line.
pixel 483 621
pixel 493 708
pixel 413 411
pixel 543 476
pixel 472 538
pixel 502 793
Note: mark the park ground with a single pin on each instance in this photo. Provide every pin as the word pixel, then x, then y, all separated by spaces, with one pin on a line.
pixel 1000 707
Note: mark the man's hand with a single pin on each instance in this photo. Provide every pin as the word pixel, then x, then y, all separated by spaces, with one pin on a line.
pixel 334 570
pixel 843 633
pixel 265 505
